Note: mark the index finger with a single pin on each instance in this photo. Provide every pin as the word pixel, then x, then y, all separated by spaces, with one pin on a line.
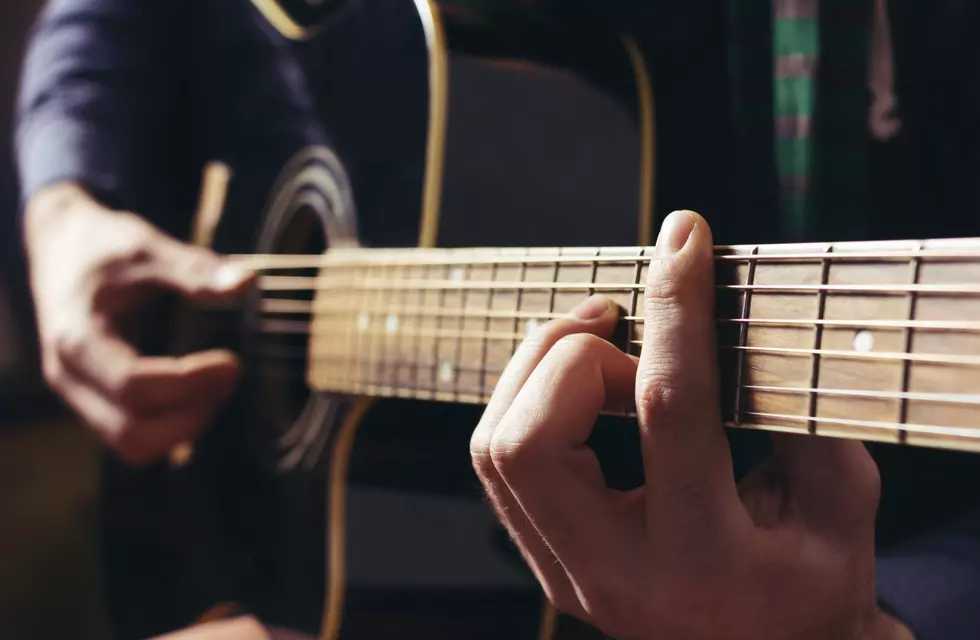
pixel 541 453
pixel 690 485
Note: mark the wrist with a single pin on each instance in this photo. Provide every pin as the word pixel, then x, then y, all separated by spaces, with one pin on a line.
pixel 886 627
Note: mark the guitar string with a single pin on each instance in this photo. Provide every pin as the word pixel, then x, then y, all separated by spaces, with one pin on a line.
pixel 365 258
pixel 274 306
pixel 398 387
pixel 304 284
pixel 477 334
pixel 295 283
pixel 483 395
pixel 300 353
pixel 475 394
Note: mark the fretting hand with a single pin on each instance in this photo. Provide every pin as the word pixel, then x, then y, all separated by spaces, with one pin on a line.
pixel 786 554
pixel 89 265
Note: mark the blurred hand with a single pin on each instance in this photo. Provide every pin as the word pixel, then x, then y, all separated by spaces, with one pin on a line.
pixel 240 628
pixel 786 554
pixel 89 265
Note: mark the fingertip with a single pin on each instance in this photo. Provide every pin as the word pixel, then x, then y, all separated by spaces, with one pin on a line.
pixel 683 231
pixel 597 307
pixel 222 359
pixel 674 233
pixel 230 277
pixel 214 367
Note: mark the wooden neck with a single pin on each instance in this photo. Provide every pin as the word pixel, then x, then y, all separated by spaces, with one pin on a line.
pixel 874 341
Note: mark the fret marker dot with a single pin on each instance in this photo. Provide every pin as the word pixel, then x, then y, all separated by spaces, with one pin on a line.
pixel 531 326
pixel 446 372
pixel 391 324
pixel 363 321
pixel 457 275
pixel 864 342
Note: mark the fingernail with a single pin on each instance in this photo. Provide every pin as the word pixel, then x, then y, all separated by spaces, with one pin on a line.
pixel 229 276
pixel 674 233
pixel 591 309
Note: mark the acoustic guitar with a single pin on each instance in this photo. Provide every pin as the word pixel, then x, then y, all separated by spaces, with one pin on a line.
pixel 337 490
pixel 329 512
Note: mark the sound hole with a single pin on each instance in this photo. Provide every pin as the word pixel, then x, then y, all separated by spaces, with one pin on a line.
pixel 281 338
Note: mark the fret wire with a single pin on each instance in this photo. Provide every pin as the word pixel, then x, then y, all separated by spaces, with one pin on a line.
pixel 595 270
pixel 817 344
pixel 386 313
pixel 361 344
pixel 435 341
pixel 519 300
pixel 743 339
pixel 458 353
pixel 914 268
pixel 351 336
pixel 634 295
pixel 485 343
pixel 554 278
pixel 417 342
pixel 379 305
pixel 398 334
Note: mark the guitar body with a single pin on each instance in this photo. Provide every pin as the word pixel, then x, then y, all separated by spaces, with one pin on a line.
pixel 345 517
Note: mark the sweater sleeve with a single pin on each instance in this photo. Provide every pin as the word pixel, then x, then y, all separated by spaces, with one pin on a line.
pixel 93 86
pixel 933 584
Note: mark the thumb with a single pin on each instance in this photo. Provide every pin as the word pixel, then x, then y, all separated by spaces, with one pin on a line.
pixel 197 273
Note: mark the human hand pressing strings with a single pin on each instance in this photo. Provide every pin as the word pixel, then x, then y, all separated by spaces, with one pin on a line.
pixel 786 554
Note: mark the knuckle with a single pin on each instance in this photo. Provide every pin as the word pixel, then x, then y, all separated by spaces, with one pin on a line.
pixel 132 248
pixel 657 396
pixel 127 389
pixel 69 344
pixel 128 444
pixel 510 457
pixel 664 287
pixel 550 334
pixel 480 454
pixel 53 371
pixel 579 345
pixel 137 251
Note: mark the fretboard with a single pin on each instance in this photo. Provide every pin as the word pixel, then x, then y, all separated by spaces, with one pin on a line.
pixel 874 341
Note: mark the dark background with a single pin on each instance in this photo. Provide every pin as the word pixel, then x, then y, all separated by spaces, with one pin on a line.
pixel 48 462
pixel 19 379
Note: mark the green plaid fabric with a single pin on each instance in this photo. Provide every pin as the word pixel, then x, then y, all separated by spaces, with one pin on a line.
pixel 796 54
pixel 820 107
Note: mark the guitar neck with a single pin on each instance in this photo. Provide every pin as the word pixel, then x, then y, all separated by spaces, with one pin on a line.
pixel 872 341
